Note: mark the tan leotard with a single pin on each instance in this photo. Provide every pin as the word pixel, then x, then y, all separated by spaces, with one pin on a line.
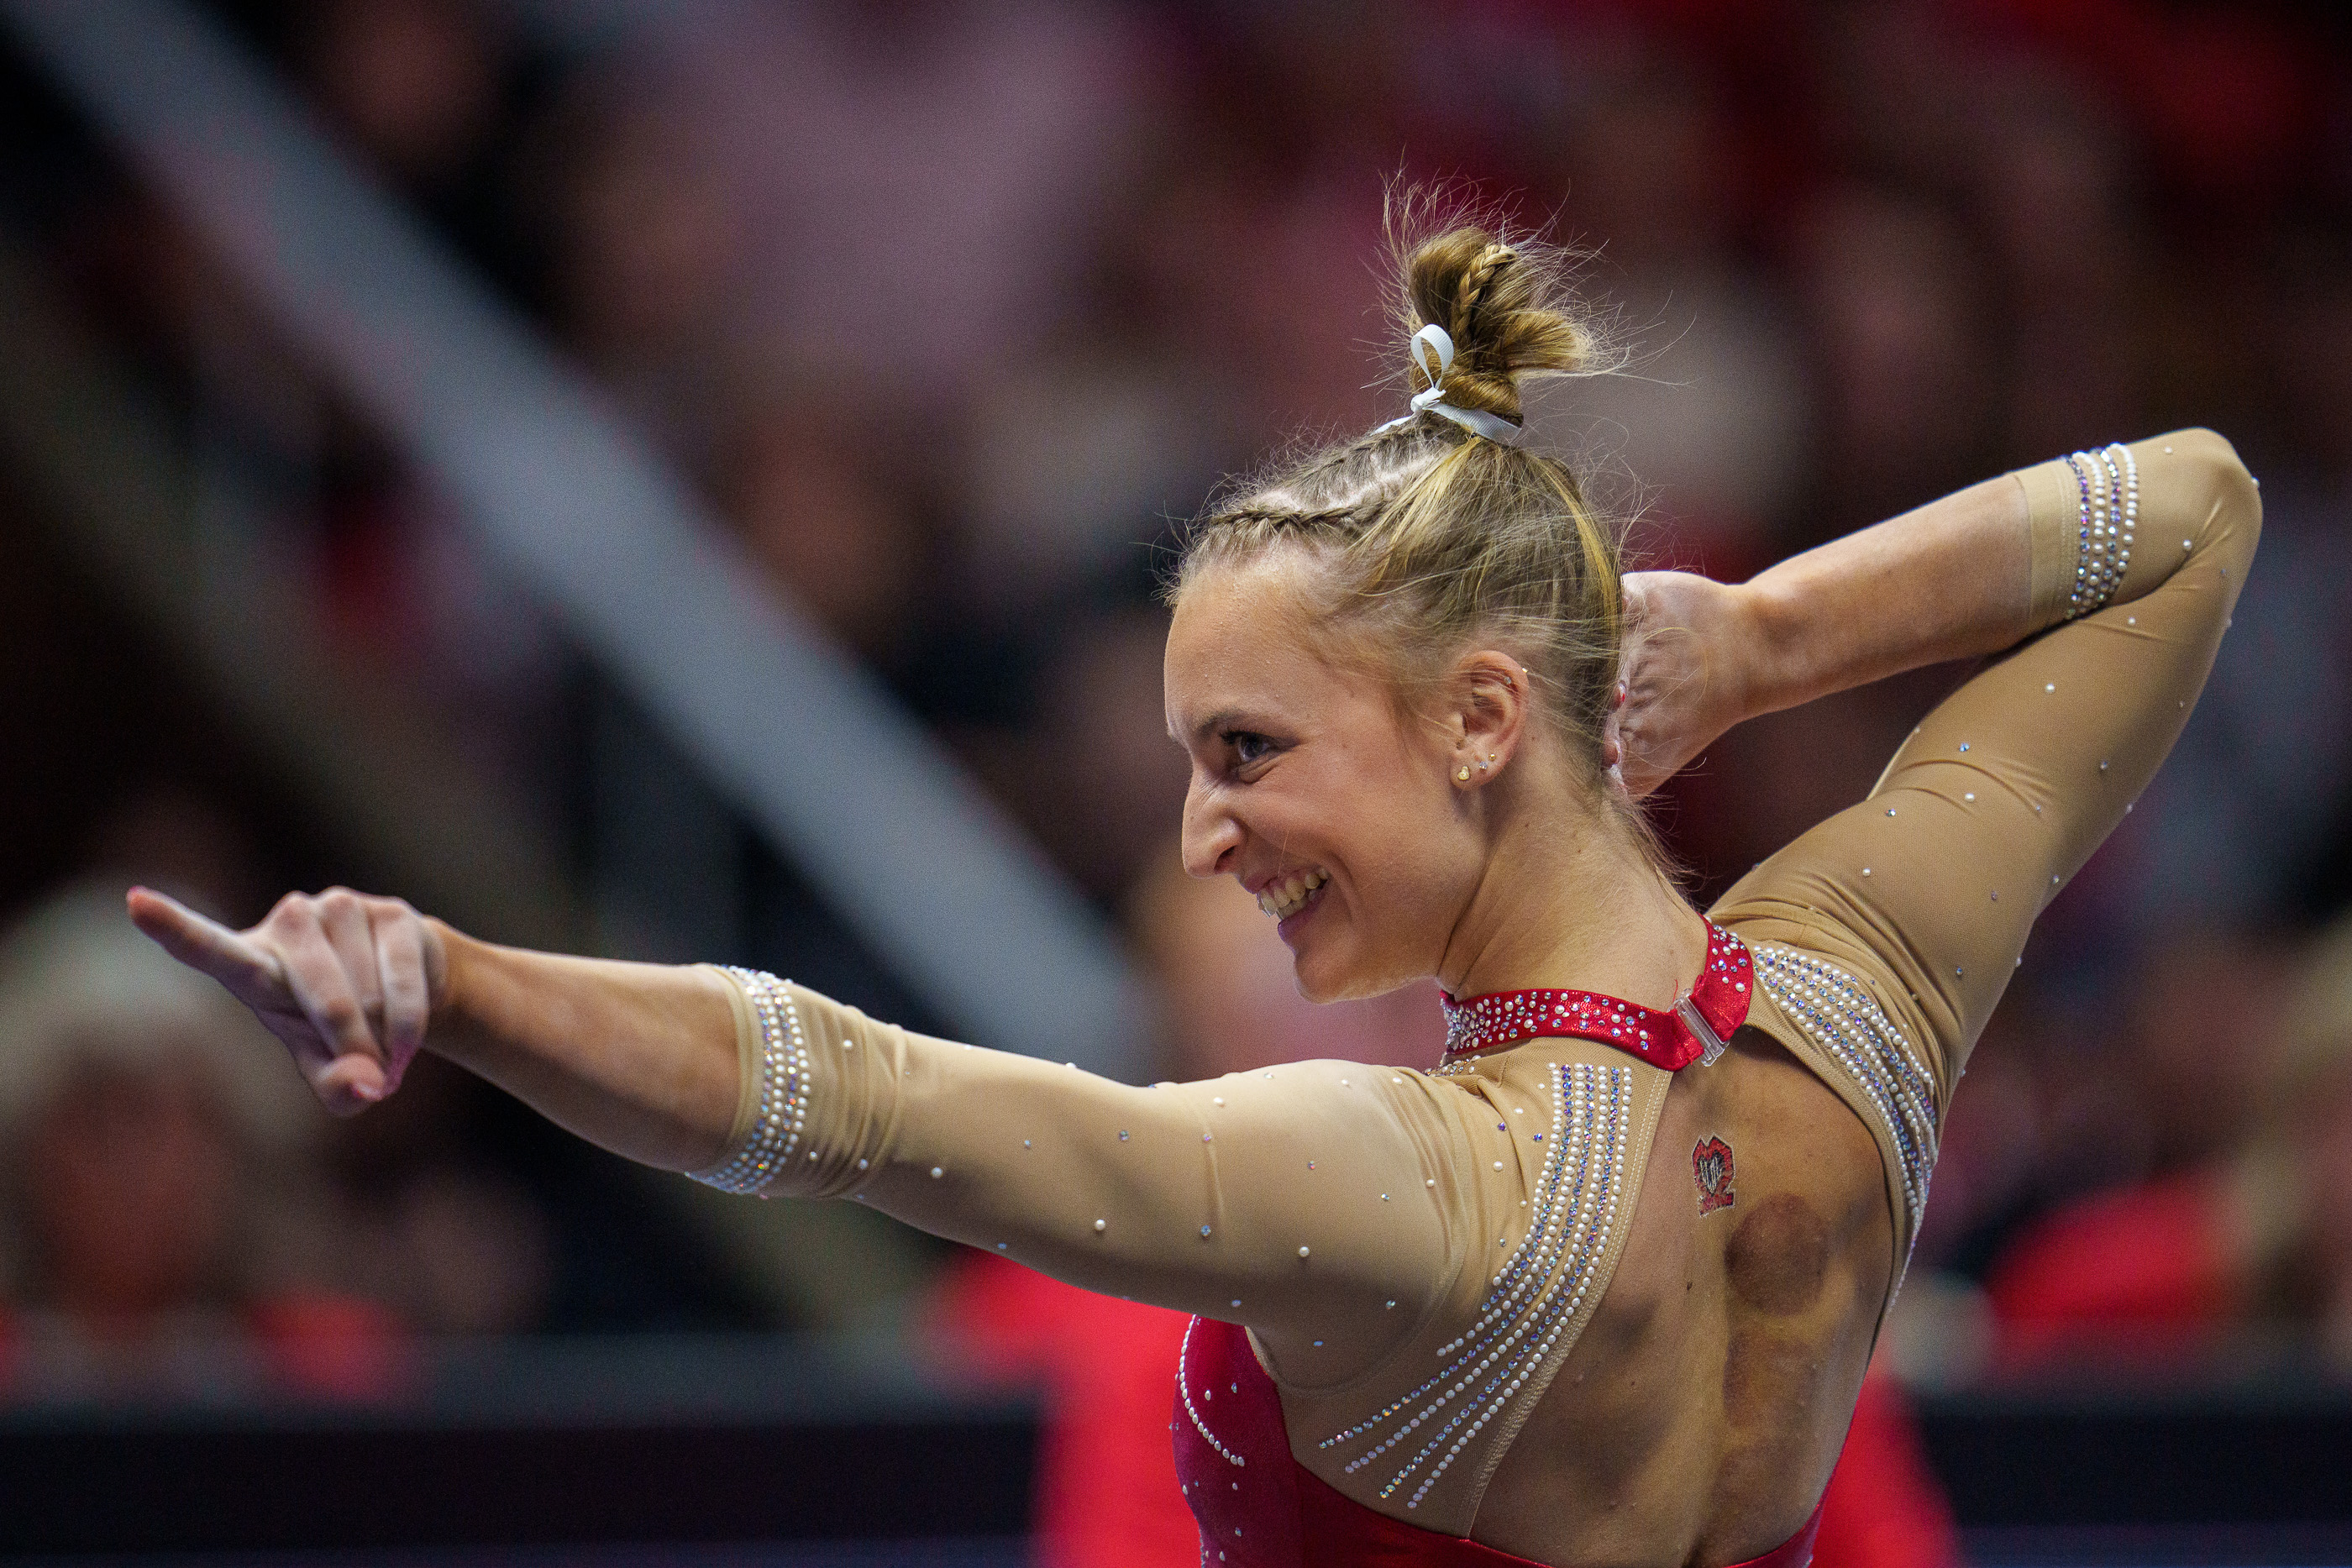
pixel 1419 1253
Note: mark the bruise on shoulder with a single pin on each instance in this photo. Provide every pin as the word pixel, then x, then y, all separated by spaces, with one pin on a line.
pixel 1779 1256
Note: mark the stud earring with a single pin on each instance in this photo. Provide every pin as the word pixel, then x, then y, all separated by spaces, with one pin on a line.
pixel 1489 763
pixel 1464 776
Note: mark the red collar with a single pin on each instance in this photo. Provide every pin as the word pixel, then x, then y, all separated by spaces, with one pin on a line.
pixel 1693 1030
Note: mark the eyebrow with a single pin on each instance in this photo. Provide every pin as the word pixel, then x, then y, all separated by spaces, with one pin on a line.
pixel 1222 719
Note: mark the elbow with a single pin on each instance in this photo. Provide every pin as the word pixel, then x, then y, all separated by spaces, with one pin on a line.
pixel 2216 483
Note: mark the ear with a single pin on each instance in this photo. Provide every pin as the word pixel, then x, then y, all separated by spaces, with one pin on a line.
pixel 1490 697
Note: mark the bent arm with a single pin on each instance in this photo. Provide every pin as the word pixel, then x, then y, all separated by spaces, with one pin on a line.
pixel 1928 888
pixel 1952 579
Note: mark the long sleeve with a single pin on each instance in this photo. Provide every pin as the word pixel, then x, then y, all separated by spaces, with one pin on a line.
pixel 1922 894
pixel 1308 1200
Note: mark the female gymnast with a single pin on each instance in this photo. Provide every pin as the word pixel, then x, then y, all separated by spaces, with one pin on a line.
pixel 1599 1288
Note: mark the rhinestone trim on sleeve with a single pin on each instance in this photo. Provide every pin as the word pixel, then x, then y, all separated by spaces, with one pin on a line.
pixel 2106 482
pixel 1838 1015
pixel 783 1114
pixel 1535 1299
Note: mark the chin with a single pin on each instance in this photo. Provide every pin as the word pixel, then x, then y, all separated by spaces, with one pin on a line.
pixel 1336 977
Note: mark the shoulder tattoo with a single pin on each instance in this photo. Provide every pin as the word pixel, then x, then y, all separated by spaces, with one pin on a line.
pixel 1711 1169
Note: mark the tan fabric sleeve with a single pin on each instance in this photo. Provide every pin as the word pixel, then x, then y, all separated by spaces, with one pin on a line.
pixel 1301 1199
pixel 1925 891
pixel 748 1048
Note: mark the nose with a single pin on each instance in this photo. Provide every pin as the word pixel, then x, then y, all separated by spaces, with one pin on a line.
pixel 1211 834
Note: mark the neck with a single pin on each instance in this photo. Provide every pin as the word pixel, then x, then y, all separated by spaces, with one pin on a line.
pixel 1577 905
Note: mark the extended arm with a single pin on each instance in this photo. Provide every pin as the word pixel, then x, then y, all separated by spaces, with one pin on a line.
pixel 1309 1201
pixel 642 1058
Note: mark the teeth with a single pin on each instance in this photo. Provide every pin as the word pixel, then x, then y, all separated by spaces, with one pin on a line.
pixel 1284 898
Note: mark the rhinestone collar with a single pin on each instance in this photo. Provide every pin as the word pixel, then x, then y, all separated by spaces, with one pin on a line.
pixel 1695 1030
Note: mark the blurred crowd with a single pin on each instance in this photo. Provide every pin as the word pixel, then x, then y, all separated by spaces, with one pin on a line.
pixel 953 311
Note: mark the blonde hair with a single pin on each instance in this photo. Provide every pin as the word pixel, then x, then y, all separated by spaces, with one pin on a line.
pixel 1431 537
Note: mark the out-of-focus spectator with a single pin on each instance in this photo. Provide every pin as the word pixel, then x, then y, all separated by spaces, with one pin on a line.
pixel 1709 414
pixel 912 184
pixel 2261 1235
pixel 1896 298
pixel 812 486
pixel 170 1239
pixel 2050 183
pixel 645 253
pixel 1093 774
pixel 414 83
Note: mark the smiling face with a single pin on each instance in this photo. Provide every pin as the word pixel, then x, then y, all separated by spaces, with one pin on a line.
pixel 1313 790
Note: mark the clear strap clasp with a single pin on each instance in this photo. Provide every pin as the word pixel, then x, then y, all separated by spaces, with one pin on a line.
pixel 1710 1044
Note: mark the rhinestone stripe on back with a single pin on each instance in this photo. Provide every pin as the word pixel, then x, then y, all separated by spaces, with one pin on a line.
pixel 783 1114
pixel 1846 1021
pixel 1536 1296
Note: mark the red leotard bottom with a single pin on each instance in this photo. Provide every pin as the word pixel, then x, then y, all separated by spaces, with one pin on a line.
pixel 1258 1508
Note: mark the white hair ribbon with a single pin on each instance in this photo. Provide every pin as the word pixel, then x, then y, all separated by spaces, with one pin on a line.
pixel 1432 355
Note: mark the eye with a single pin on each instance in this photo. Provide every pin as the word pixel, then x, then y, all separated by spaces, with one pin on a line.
pixel 1248 745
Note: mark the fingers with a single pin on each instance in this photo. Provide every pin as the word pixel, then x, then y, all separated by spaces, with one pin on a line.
pixel 344 981
pixel 325 990
pixel 343 918
pixel 399 940
pixel 205 945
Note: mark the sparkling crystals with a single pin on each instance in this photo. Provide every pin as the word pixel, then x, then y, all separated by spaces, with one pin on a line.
pixel 1184 1390
pixel 2106 486
pixel 781 1115
pixel 1535 1305
pixel 1718 996
pixel 1838 1015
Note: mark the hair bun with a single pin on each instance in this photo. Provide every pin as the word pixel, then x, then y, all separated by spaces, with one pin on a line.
pixel 1507 307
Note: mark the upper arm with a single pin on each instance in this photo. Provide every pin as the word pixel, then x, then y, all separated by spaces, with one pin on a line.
pixel 1929 887
pixel 1298 1199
